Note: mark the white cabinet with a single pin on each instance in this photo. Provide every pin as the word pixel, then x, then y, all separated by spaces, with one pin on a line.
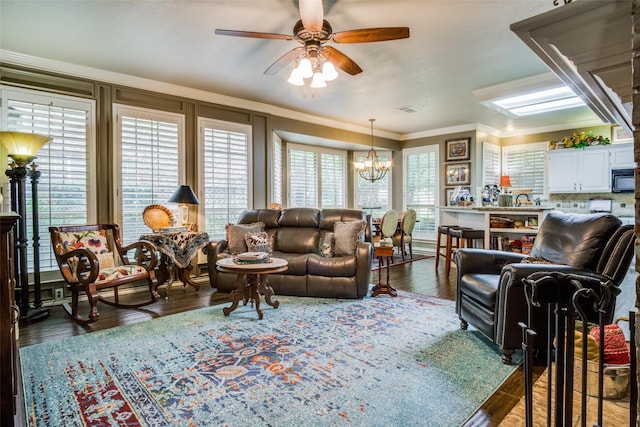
pixel 579 170
pixel 622 156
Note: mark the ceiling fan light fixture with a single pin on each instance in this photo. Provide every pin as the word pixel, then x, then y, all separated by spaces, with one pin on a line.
pixel 295 78
pixel 329 72
pixel 305 68
pixel 318 80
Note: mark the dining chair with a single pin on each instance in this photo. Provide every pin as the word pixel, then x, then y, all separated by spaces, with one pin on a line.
pixel 403 236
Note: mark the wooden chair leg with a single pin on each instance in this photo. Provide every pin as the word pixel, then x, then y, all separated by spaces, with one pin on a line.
pixel 438 249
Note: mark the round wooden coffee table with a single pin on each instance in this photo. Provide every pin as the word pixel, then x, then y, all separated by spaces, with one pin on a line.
pixel 255 284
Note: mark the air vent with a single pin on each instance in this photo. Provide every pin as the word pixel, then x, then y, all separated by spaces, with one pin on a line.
pixel 409 109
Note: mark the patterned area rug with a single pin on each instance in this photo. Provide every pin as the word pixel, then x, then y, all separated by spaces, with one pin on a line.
pixel 397 260
pixel 313 362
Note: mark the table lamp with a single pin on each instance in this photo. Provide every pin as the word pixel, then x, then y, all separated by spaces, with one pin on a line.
pixel 184 196
pixel 505 199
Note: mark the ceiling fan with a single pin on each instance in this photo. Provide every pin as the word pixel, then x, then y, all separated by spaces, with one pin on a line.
pixel 313 32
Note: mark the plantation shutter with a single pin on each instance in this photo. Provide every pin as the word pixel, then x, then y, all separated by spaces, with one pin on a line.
pixel 490 164
pixel 149 150
pixel 64 183
pixel 333 170
pixel 526 166
pixel 303 178
pixel 227 174
pixel 278 176
pixel 421 188
pixel 374 197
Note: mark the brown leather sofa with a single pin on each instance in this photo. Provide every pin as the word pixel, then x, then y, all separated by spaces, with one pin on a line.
pixel 297 234
pixel 490 292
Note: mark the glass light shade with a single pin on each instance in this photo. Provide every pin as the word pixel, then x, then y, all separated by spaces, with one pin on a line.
pixel 329 72
pixel 318 81
pixel 505 181
pixel 296 78
pixel 305 68
pixel 22 147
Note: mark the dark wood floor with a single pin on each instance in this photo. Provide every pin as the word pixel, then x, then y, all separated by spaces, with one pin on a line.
pixel 419 277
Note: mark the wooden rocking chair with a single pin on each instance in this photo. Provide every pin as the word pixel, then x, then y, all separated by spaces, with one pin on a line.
pixel 91 257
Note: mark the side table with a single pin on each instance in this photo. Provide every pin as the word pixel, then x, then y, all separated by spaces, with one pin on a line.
pixel 255 284
pixel 383 252
pixel 177 250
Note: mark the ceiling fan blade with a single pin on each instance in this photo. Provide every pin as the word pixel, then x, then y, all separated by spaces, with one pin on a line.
pixel 341 60
pixel 311 14
pixel 283 61
pixel 253 34
pixel 366 35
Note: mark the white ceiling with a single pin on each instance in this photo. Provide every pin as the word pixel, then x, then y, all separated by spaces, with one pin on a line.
pixel 455 47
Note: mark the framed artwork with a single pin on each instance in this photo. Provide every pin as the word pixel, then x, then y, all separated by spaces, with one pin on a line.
pixel 457 149
pixel 619 134
pixel 449 194
pixel 457 173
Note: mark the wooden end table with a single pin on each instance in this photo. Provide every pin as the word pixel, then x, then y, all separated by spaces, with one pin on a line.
pixel 383 252
pixel 255 284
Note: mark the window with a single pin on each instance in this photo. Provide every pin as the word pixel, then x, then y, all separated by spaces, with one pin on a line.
pixel 226 173
pixel 373 197
pixel 526 165
pixel 490 164
pixel 67 181
pixel 317 177
pixel 149 148
pixel 421 188
pixel 277 177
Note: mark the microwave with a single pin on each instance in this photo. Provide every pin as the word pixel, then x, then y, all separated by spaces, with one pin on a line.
pixel 622 181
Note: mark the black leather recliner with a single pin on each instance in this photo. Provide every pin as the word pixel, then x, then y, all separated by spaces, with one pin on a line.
pixel 490 292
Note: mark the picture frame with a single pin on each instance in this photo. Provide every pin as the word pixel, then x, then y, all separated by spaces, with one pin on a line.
pixel 457 149
pixel 457 173
pixel 620 134
pixel 449 194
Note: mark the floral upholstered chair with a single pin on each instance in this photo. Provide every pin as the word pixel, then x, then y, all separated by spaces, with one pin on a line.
pixel 91 258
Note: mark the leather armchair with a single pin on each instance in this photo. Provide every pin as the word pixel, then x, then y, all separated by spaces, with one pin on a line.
pixel 490 291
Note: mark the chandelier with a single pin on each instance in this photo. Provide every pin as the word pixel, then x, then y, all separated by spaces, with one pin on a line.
pixel 314 66
pixel 372 169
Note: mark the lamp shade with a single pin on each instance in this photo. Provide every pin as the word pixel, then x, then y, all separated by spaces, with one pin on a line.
pixel 22 146
pixel 505 181
pixel 184 194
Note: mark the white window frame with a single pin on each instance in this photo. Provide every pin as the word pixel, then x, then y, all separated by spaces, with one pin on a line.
pixel 228 127
pixel 532 147
pixel 120 110
pixel 434 148
pixel 64 101
pixel 277 171
pixel 320 151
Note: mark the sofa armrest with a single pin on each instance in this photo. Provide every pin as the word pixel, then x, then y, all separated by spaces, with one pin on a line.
pixel 213 250
pixel 484 261
pixel 364 259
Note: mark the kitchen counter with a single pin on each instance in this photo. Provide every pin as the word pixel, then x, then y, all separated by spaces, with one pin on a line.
pixel 495 208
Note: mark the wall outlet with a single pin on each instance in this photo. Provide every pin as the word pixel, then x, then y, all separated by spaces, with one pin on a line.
pixel 59 293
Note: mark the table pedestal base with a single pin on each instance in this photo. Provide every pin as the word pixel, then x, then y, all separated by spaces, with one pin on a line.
pixel 250 290
pixel 169 272
pixel 383 252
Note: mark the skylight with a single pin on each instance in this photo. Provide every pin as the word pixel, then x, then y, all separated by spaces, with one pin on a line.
pixel 542 101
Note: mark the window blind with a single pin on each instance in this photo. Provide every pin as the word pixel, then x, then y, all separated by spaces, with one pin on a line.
pixel 303 178
pixel 374 197
pixel 490 164
pixel 149 148
pixel 226 178
pixel 64 183
pixel 526 166
pixel 421 188
pixel 333 168
pixel 277 172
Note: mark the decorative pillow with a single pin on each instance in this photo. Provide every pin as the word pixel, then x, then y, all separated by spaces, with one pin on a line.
pixel 616 351
pixel 347 235
pixel 257 242
pixel 235 235
pixel 106 260
pixel 327 245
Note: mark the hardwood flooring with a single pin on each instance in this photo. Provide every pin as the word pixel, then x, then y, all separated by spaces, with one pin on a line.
pixel 418 276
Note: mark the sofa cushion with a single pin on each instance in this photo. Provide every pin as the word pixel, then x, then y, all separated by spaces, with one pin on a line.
pixel 297 263
pixel 347 235
pixel 299 240
pixel 235 235
pixel 300 217
pixel 269 217
pixel 341 266
pixel 574 239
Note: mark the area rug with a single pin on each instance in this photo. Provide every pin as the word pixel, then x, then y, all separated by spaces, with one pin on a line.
pixel 314 362
pixel 397 260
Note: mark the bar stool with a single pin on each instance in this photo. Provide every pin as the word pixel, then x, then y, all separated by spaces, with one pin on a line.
pixel 465 238
pixel 449 245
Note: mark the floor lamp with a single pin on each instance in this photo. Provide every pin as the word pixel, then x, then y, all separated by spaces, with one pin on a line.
pixel 22 148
